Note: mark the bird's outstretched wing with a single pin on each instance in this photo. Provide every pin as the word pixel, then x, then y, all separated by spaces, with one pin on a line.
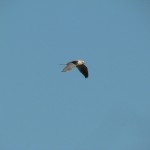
pixel 83 69
pixel 68 67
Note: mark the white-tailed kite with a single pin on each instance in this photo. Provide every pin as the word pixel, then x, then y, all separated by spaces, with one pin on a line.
pixel 79 64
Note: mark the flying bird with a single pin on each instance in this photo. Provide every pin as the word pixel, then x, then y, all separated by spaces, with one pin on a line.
pixel 79 64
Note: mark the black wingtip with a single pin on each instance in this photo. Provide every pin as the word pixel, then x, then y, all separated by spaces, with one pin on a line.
pixel 86 76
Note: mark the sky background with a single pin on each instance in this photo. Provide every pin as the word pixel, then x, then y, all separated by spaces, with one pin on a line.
pixel 43 108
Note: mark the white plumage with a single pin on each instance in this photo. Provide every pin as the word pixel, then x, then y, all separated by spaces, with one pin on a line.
pixel 79 64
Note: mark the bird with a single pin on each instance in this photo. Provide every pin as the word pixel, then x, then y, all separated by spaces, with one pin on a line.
pixel 80 64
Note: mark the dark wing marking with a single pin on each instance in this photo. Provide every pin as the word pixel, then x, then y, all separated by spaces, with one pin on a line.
pixel 83 69
pixel 74 62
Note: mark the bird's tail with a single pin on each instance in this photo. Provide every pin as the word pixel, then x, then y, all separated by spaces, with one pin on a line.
pixel 62 64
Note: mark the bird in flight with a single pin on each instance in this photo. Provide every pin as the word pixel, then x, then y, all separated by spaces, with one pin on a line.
pixel 79 64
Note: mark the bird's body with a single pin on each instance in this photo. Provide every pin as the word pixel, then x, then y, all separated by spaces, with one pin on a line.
pixel 79 64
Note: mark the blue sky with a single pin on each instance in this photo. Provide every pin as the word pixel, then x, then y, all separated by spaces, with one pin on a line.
pixel 43 108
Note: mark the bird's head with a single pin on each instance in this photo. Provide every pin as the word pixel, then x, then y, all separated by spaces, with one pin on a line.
pixel 81 62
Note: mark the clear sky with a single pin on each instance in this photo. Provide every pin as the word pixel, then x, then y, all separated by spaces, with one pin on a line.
pixel 42 108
